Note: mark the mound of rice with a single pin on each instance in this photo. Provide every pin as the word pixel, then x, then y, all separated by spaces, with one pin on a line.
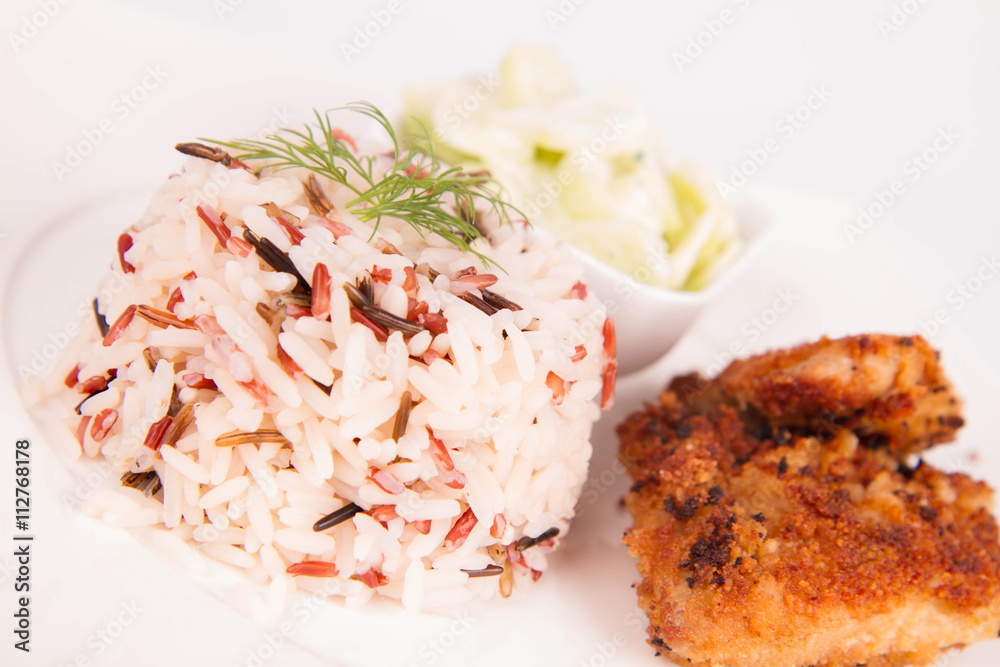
pixel 397 419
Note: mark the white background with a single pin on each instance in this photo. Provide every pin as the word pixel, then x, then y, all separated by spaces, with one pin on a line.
pixel 891 92
pixel 892 89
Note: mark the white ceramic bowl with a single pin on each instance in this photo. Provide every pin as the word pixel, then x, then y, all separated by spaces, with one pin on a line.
pixel 649 320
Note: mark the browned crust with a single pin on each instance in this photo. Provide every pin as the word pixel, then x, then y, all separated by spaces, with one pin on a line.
pixel 755 537
pixel 891 390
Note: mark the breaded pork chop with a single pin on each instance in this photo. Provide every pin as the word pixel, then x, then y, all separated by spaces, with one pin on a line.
pixel 762 545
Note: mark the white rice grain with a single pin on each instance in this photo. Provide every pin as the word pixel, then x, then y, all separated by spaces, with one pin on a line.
pixel 354 365
pixel 413 586
pixel 224 492
pixel 220 466
pixel 179 551
pixel 229 554
pixel 523 356
pixel 373 415
pixel 258 469
pixel 261 522
pixel 302 354
pixel 272 562
pixel 465 355
pixel 425 509
pixel 435 391
pixel 305 541
pixel 184 465
pixel 322 456
pixel 317 399
pixel 180 338
pixel 172 495
pixel 297 517
pixel 240 331
pixel 133 519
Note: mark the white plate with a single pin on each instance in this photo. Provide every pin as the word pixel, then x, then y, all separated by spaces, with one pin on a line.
pixel 103 598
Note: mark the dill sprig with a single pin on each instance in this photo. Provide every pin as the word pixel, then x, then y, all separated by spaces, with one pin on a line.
pixel 416 187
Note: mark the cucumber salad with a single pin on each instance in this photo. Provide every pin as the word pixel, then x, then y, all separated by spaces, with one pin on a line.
pixel 590 168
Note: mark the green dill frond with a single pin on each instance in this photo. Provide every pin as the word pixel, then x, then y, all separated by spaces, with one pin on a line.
pixel 416 187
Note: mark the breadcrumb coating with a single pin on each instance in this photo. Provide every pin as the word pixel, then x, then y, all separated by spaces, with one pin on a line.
pixel 805 536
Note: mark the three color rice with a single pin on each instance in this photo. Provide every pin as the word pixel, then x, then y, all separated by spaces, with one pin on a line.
pixel 296 394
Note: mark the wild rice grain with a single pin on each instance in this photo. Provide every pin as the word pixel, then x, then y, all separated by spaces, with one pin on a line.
pixel 528 542
pixel 402 416
pixel 179 424
pixel 488 571
pixel 254 437
pixel 102 324
pixel 334 518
